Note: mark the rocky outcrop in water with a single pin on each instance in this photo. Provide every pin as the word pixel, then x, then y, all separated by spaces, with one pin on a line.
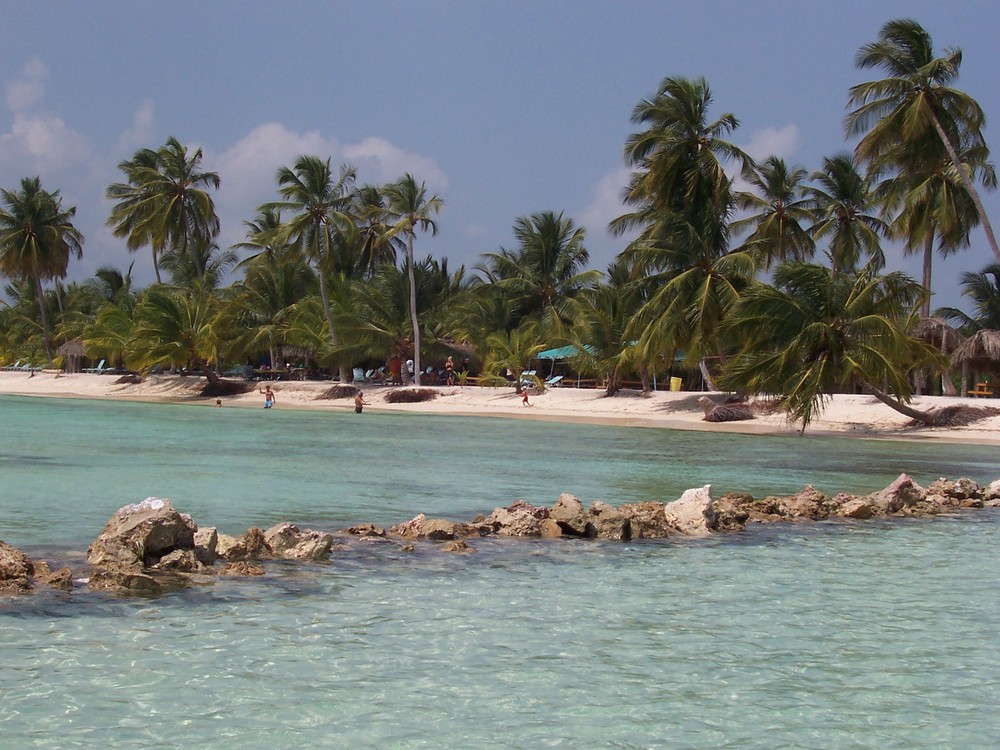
pixel 149 547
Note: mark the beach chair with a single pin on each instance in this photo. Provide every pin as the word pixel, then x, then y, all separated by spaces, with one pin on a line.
pixel 359 375
pixel 529 378
pixel 97 370
pixel 11 368
pixel 554 382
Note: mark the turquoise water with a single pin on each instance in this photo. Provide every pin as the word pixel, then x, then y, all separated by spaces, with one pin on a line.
pixel 830 635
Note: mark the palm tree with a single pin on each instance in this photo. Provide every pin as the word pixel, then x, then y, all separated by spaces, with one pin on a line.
pixel 318 202
pixel 983 287
pixel 513 351
pixel 844 203
pixel 781 213
pixel 932 207
pixel 164 203
pixel 262 303
pixel 407 208
pixel 37 239
pixel 815 332
pixel 602 336
pixel 175 328
pixel 204 264
pixel 683 202
pixel 916 99
pixel 679 157
pixel 546 273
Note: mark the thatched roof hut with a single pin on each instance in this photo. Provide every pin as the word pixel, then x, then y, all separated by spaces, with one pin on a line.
pixel 939 333
pixel 981 350
pixel 980 353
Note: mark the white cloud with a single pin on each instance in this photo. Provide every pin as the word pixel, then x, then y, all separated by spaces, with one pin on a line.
pixel 606 203
pixel 25 90
pixel 379 161
pixel 38 143
pixel 248 168
pixel 141 131
pixel 782 142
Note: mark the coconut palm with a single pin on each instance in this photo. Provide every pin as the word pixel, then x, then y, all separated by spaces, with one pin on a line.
pixel 691 279
pixel 933 208
pixel 204 264
pixel 602 337
pixel 680 157
pixel 845 206
pixel 683 202
pixel 983 287
pixel 513 351
pixel 780 216
pixel 262 234
pixel 129 215
pixel 546 273
pixel 176 328
pixel 37 239
pixel 407 209
pixel 318 202
pixel 165 203
pixel 897 114
pixel 262 303
pixel 815 332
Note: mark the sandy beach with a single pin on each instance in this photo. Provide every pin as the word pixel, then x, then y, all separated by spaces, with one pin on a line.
pixel 845 415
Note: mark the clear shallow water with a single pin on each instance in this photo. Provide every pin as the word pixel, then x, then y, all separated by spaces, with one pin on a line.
pixel 831 635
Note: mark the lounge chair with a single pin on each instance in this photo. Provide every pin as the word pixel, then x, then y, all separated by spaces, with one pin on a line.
pixel 528 377
pixel 359 375
pixel 11 368
pixel 554 382
pixel 97 370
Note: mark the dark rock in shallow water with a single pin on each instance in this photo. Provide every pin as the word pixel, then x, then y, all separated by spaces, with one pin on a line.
pixel 16 570
pixel 647 520
pixel 902 493
pixel 250 546
pixel 608 522
pixel 141 534
pixel 568 512
pixel 242 568
pixel 287 541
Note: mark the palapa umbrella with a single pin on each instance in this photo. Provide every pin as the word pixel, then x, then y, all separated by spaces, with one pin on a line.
pixel 72 350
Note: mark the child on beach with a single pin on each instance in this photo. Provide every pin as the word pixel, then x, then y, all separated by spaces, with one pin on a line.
pixel 268 397
pixel 524 397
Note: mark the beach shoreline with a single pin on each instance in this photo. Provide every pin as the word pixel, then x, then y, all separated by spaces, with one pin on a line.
pixel 844 415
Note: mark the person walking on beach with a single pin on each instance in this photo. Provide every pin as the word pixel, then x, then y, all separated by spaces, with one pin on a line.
pixel 524 397
pixel 449 371
pixel 268 397
pixel 359 402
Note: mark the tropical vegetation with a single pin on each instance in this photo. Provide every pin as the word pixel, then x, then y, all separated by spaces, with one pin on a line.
pixel 761 276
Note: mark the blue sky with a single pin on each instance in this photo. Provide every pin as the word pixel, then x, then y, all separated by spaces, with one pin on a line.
pixel 503 108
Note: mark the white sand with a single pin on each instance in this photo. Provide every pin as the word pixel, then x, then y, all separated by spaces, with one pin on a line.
pixel 848 415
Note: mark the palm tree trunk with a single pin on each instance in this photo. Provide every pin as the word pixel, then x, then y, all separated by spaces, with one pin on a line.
pixel 928 263
pixel 325 296
pixel 897 405
pixel 413 307
pixel 43 317
pixel 967 182
pixel 156 267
